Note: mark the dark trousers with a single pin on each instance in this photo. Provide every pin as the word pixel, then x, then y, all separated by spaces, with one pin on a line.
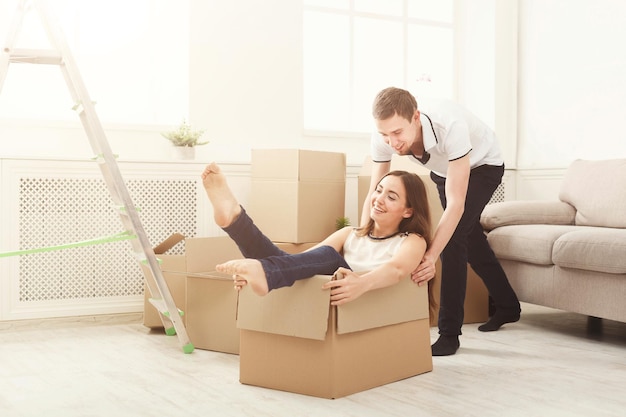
pixel 469 244
pixel 281 269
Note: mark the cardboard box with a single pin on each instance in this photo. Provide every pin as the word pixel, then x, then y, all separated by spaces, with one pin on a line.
pixel 476 296
pixel 476 306
pixel 211 300
pixel 294 340
pixel 297 195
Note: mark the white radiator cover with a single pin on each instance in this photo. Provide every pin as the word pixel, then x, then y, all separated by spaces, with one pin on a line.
pixel 55 211
pixel 49 203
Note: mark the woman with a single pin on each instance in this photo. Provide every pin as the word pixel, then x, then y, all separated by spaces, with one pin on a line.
pixel 383 252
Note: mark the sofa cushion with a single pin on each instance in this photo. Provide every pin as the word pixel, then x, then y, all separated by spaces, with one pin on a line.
pixel 592 249
pixel 597 189
pixel 507 213
pixel 527 243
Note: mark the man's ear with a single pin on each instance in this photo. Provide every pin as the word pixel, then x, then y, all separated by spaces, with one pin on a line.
pixel 416 115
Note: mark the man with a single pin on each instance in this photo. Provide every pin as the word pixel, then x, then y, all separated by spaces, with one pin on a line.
pixel 465 163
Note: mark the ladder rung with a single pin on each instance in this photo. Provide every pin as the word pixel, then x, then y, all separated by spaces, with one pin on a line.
pixel 35 56
pixel 159 304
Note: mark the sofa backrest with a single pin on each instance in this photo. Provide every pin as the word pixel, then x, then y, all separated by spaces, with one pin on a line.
pixel 597 189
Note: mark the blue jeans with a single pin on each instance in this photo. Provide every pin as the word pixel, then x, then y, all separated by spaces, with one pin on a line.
pixel 469 244
pixel 281 268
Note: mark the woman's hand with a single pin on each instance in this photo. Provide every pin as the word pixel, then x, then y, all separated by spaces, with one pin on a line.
pixel 346 287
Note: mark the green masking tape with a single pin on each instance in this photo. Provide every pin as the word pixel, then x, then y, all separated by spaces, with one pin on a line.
pixel 108 239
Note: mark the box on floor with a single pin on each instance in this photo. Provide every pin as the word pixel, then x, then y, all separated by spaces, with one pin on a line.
pixel 297 195
pixel 476 296
pixel 211 297
pixel 294 340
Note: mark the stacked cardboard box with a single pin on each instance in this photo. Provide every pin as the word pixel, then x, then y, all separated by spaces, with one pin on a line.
pixel 297 195
pixel 477 296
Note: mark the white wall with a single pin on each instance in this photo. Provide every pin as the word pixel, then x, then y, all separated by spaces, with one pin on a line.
pixel 245 84
pixel 572 84
pixel 246 66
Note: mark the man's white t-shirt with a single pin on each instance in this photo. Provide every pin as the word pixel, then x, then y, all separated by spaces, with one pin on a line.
pixel 450 132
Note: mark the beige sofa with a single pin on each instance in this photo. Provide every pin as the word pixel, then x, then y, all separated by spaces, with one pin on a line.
pixel 568 254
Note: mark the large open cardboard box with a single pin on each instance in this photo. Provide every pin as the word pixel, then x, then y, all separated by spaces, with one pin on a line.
pixel 297 195
pixel 294 340
pixel 476 296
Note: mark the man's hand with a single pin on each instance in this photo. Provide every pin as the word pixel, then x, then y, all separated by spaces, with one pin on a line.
pixel 425 271
pixel 347 287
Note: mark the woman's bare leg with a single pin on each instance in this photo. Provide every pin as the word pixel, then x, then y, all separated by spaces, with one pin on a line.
pixel 225 205
pixel 246 271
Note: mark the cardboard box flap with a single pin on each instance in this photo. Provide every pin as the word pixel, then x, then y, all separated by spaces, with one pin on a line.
pixel 168 243
pixel 300 310
pixel 399 303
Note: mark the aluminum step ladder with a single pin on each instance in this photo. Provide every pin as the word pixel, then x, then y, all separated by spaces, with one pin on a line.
pixel 60 55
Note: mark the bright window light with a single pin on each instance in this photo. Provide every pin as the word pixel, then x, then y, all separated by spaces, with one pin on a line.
pixel 132 55
pixel 355 48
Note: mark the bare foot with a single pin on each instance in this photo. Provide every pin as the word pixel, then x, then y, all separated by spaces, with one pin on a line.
pixel 244 271
pixel 225 205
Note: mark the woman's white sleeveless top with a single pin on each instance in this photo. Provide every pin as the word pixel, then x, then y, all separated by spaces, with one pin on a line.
pixel 364 253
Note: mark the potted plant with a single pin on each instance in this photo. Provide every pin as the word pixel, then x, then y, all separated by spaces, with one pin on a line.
pixel 342 222
pixel 184 139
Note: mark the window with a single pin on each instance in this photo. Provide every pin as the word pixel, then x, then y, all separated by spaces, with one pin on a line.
pixel 133 57
pixel 355 48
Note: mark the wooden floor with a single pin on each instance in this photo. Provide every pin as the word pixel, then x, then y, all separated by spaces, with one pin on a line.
pixel 548 364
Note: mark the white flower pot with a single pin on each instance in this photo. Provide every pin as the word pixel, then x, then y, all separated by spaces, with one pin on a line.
pixel 184 152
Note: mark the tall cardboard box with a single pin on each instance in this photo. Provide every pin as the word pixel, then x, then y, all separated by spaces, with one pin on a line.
pixel 297 195
pixel 294 340
pixel 476 297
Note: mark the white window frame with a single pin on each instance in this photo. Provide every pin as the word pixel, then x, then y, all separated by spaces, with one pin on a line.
pixel 406 22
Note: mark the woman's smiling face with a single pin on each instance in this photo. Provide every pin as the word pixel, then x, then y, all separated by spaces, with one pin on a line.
pixel 388 201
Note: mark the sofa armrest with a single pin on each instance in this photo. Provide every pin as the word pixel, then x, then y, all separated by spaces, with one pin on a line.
pixel 526 212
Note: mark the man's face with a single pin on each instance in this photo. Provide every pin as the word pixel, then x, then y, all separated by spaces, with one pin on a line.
pixel 399 132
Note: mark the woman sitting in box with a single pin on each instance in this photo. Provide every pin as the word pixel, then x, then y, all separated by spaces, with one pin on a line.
pixel 387 250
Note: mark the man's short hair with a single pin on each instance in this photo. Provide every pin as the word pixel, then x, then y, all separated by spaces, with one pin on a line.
pixel 394 100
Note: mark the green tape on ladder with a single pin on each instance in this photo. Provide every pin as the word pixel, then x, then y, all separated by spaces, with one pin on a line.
pixel 108 239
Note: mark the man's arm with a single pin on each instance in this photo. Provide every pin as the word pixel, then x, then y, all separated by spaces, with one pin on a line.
pixel 378 170
pixel 457 180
